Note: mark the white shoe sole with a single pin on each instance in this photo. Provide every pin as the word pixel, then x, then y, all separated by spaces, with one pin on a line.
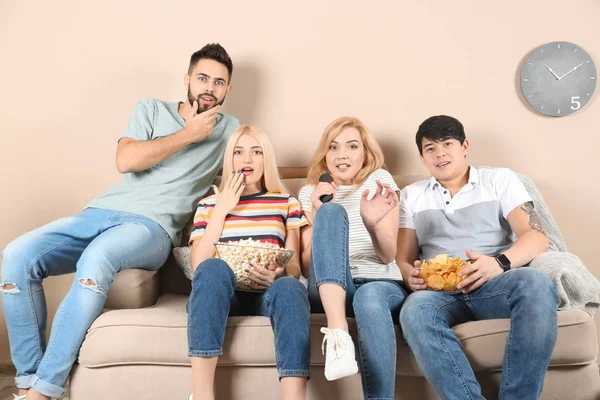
pixel 351 370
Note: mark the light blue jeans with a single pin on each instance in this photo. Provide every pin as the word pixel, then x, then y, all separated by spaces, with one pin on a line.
pixel 95 244
pixel 525 295
pixel 285 302
pixel 375 304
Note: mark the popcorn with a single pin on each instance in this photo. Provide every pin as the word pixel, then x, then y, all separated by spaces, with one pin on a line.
pixel 238 255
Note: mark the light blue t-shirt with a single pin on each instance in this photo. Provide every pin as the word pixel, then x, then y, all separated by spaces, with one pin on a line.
pixel 167 192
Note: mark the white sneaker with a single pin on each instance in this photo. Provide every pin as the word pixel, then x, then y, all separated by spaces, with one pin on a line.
pixel 191 397
pixel 24 397
pixel 340 358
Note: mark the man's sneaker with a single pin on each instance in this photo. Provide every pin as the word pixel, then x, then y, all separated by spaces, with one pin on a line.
pixel 340 358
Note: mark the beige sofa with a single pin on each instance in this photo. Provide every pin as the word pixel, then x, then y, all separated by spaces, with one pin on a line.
pixel 137 349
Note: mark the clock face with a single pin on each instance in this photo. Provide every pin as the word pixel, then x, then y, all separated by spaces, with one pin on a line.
pixel 558 78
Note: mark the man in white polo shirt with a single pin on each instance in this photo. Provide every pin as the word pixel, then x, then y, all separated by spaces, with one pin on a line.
pixel 485 215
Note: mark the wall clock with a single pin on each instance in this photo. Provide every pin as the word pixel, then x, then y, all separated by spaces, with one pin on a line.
pixel 558 78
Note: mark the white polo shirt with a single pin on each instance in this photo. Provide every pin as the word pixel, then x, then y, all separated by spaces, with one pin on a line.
pixel 474 219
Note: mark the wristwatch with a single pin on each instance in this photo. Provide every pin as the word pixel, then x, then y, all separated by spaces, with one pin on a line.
pixel 504 262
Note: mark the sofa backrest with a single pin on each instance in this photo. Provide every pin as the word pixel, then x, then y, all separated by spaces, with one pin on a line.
pixel 174 281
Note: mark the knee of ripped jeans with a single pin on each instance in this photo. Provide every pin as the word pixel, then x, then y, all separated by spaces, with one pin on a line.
pixel 9 288
pixel 91 285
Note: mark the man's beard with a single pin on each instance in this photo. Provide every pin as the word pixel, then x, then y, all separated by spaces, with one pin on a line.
pixel 202 108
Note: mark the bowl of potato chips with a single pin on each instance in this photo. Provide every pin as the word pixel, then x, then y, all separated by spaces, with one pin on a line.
pixel 239 255
pixel 441 273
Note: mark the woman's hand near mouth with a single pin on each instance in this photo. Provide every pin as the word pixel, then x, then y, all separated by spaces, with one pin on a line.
pixel 230 196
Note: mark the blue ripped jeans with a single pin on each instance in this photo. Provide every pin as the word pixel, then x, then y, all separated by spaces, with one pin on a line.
pixel 95 244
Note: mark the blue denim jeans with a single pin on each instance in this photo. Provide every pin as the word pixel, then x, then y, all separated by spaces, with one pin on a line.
pixel 214 298
pixel 375 304
pixel 95 244
pixel 525 295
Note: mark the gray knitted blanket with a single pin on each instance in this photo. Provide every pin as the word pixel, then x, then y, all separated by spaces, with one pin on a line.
pixel 576 285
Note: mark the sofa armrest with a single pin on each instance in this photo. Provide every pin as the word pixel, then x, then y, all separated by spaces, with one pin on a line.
pixel 575 284
pixel 133 288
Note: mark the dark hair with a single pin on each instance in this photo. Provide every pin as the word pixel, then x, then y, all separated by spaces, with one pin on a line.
pixel 438 128
pixel 212 51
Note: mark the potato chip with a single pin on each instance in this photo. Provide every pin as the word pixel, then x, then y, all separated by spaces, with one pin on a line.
pixel 440 259
pixel 441 272
pixel 435 282
pixel 451 279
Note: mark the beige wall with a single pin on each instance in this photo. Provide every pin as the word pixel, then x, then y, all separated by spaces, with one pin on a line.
pixel 71 71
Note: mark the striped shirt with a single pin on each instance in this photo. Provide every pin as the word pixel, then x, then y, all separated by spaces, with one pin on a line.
pixel 261 216
pixel 364 262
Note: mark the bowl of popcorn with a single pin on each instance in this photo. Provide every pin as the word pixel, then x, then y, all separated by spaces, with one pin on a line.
pixel 441 273
pixel 239 255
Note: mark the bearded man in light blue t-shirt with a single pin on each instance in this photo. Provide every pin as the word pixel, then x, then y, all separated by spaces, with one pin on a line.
pixel 169 154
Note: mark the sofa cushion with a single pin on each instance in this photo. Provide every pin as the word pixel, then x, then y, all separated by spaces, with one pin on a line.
pixel 158 335
pixel 133 288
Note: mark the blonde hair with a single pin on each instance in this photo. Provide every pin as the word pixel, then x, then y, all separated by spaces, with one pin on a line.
pixel 373 154
pixel 270 180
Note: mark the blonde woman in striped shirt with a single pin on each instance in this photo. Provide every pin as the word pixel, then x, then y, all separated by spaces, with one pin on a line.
pixel 251 203
pixel 348 254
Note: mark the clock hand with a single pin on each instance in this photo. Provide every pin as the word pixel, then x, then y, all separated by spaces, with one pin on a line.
pixel 552 72
pixel 573 69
